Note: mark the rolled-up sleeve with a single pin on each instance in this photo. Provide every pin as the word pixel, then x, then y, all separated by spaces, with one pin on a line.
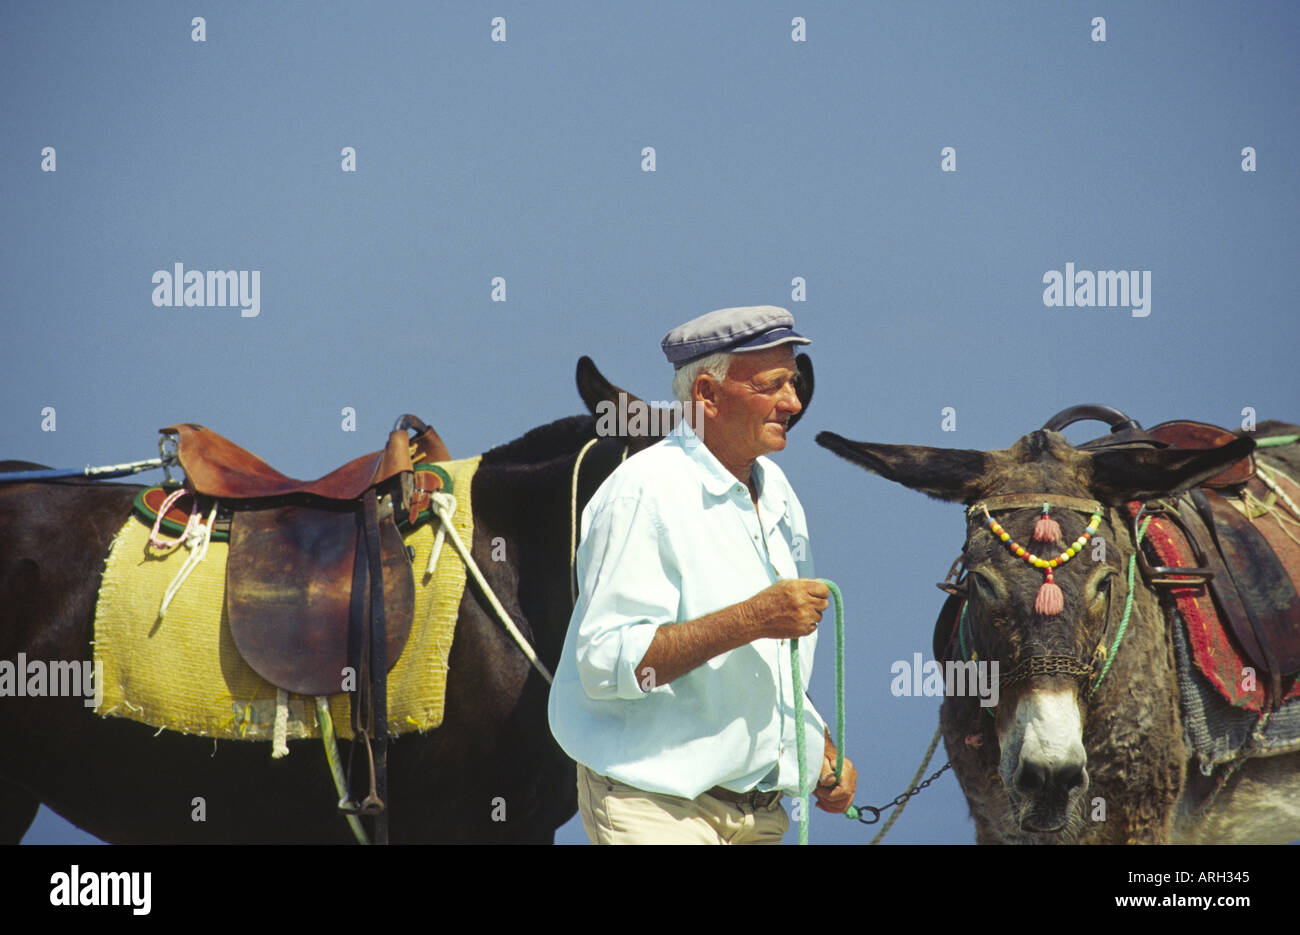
pixel 628 586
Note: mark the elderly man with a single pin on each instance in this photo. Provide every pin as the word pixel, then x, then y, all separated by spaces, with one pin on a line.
pixel 674 692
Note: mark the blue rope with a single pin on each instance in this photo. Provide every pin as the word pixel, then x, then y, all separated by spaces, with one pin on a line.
pixel 111 470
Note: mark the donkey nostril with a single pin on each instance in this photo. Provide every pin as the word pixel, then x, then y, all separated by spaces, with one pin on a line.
pixel 1072 777
pixel 1032 777
pixel 1038 779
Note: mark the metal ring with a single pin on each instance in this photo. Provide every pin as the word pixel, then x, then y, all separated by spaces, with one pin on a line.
pixel 862 813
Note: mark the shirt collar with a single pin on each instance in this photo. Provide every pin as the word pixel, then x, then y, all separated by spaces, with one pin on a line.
pixel 716 479
pixel 772 501
pixel 719 482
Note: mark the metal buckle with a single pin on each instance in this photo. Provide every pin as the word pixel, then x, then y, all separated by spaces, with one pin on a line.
pixel 1154 574
pixel 956 571
pixel 169 448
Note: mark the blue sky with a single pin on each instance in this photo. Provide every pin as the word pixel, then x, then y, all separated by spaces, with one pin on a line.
pixel 774 159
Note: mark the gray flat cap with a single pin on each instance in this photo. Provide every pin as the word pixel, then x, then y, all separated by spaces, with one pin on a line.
pixel 734 330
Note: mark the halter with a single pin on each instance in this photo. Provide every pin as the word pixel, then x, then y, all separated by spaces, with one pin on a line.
pixel 1049 600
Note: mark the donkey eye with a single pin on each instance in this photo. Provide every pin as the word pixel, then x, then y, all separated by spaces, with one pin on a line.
pixel 1103 587
pixel 981 585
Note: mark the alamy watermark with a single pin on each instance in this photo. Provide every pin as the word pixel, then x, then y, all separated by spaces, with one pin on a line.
pixel 36 678
pixel 934 679
pixel 80 887
pixel 214 288
pixel 635 418
pixel 1106 288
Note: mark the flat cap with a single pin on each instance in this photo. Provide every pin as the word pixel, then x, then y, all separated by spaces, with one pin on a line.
pixel 733 330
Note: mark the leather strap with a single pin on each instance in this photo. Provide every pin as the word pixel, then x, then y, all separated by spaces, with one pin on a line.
pixel 378 657
pixel 1033 501
pixel 754 798
pixel 1274 618
pixel 1223 589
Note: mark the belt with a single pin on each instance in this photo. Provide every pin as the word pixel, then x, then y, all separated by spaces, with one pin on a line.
pixel 753 798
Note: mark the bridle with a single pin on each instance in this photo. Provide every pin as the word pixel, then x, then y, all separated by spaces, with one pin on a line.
pixel 1089 669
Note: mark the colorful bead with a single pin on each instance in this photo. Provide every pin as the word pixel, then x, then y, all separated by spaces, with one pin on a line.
pixel 1042 563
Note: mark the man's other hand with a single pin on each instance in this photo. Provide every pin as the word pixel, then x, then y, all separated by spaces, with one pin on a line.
pixel 830 796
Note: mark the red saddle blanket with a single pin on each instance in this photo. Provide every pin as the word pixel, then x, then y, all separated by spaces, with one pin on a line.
pixel 1214 649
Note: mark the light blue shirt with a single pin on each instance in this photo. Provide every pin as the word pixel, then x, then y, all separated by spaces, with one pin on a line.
pixel 669 537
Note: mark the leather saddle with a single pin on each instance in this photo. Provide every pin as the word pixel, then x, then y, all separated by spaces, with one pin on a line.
pixel 319 588
pixel 1253 592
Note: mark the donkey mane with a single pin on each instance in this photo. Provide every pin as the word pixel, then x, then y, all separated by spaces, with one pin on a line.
pixel 559 438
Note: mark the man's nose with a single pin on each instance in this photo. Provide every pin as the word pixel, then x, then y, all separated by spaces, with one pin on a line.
pixel 789 399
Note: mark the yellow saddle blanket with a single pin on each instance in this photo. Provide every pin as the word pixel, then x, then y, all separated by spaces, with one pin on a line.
pixel 184 673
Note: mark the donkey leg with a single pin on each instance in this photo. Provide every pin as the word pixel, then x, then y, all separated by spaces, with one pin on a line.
pixel 18 809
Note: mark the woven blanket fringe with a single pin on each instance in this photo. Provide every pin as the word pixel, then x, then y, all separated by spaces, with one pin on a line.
pixel 280 733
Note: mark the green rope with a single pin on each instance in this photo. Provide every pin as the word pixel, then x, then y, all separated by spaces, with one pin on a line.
pixel 1274 441
pixel 961 630
pixel 961 643
pixel 336 766
pixel 839 677
pixel 1128 608
pixel 804 800
pixel 796 676
pixel 851 812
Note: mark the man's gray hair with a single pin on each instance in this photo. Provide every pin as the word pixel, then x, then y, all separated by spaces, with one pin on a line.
pixel 715 365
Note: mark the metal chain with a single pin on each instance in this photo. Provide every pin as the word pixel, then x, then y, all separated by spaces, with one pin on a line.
pixel 1046 665
pixel 870 814
pixel 898 799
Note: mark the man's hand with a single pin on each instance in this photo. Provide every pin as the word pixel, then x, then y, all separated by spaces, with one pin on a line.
pixel 831 797
pixel 788 609
pixel 791 608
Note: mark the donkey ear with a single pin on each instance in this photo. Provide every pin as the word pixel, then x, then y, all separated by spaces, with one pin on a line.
pixel 953 474
pixel 594 388
pixel 803 387
pixel 603 400
pixel 1123 474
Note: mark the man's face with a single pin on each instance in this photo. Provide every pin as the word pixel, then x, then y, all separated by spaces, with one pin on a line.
pixel 747 413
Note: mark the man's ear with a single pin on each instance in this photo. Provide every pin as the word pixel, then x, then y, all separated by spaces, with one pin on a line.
pixel 705 392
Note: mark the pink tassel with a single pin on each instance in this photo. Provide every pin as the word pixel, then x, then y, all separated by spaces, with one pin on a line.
pixel 1047 529
pixel 1050 601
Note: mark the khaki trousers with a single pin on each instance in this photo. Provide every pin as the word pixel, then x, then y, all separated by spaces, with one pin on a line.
pixel 615 813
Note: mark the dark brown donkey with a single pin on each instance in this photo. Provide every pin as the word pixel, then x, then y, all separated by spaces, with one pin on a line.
pixel 126 782
pixel 1072 755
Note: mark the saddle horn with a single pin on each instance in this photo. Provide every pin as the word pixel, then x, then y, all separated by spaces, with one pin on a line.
pixel 1117 420
pixel 1123 429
